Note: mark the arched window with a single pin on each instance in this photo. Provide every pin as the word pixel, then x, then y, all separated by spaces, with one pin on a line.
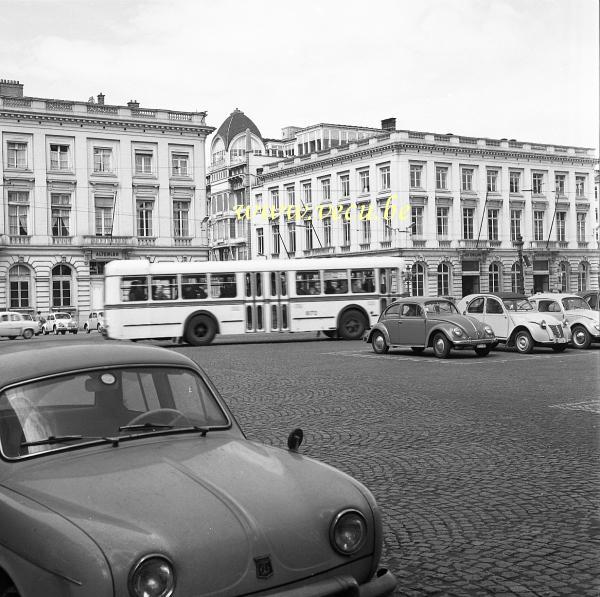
pixel 582 276
pixel 19 278
pixel 418 279
pixel 563 276
pixel 443 279
pixel 61 286
pixel 514 277
pixel 494 277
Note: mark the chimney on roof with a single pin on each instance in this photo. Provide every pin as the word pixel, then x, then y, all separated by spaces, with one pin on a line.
pixel 11 88
pixel 133 104
pixel 100 99
pixel 388 124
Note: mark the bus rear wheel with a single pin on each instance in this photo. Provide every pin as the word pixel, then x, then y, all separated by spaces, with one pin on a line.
pixel 200 330
pixel 352 325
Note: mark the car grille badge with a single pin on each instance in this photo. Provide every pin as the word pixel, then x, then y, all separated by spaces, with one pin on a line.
pixel 264 567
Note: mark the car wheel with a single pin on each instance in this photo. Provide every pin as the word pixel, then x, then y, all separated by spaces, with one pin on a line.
pixel 380 346
pixel 55 331
pixel 352 325
pixel 523 342
pixel 27 334
pixel 63 332
pixel 200 330
pixel 483 352
pixel 98 328
pixel 7 589
pixel 87 329
pixel 45 331
pixel 581 337
pixel 559 347
pixel 441 346
pixel 417 349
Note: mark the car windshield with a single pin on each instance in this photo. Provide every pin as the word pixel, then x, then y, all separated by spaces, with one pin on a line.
pixel 91 406
pixel 62 316
pixel 518 305
pixel 445 307
pixel 575 302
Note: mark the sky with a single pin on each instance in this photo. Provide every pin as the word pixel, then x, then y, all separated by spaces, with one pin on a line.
pixel 516 69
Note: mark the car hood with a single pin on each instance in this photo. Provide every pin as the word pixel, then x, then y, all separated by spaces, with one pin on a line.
pixel 534 316
pixel 211 504
pixel 588 314
pixel 470 325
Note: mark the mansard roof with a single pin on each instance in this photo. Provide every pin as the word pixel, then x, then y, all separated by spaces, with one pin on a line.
pixel 237 122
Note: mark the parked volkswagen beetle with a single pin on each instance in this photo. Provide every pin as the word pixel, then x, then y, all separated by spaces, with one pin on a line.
pixel 419 323
pixel 123 473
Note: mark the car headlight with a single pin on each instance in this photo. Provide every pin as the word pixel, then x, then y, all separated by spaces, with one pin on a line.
pixel 457 331
pixel 488 330
pixel 348 532
pixel 152 576
pixel 564 323
pixel 597 326
pixel 543 324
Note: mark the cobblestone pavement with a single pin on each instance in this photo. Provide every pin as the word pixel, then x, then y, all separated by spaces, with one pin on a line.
pixel 486 469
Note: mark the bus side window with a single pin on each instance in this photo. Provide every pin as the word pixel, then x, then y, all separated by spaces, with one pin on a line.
pixel 193 287
pixel 362 280
pixel 308 282
pixel 223 286
pixel 283 281
pixel 134 289
pixel 382 281
pixel 164 288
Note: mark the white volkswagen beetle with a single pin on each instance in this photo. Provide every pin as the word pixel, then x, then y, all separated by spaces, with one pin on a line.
pixel 516 322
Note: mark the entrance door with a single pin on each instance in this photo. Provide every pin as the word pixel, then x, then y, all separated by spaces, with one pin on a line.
pixel 96 295
pixel 470 284
pixel 540 283
pixel 255 302
pixel 279 306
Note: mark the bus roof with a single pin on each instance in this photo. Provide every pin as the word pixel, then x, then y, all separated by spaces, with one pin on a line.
pixel 141 267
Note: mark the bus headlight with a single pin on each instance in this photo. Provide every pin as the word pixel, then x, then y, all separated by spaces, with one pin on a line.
pixel 152 576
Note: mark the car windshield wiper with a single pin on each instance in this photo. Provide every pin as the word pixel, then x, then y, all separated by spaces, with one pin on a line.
pixel 56 439
pixel 159 426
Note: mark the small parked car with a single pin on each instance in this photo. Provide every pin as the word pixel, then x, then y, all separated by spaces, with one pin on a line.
pixel 419 323
pixel 125 474
pixel 95 321
pixel 59 323
pixel 37 324
pixel 516 322
pixel 592 298
pixel 14 324
pixel 581 318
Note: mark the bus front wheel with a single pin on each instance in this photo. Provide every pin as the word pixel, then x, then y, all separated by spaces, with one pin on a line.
pixel 200 330
pixel 352 325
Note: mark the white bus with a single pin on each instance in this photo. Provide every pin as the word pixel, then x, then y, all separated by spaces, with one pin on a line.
pixel 194 301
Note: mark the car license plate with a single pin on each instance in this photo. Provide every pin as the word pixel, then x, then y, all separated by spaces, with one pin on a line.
pixel 481 345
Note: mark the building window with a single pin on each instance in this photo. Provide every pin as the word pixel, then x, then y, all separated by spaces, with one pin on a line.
pixel 442 217
pixel 418 279
pixel 494 277
pixel 582 277
pixel 366 231
pixel 181 218
pixel 18 213
pixel 61 213
pixel 307 193
pixel 467 179
pixel 59 157
pixel 515 182
pixel 104 215
pixel 492 181
pixel 416 214
pixel 563 276
pixel 143 162
pixel 384 178
pixel 561 227
pixel 291 195
pixel 326 189
pixel 308 236
pixel 537 183
pixel 275 198
pixel 345 185
pixel 580 186
pixel 416 176
pixel 515 224
pixel 276 239
pixel 180 163
pixel 61 286
pixel 19 278
pixel 260 241
pixel 441 178
pixel 468 219
pixel 16 155
pixel 581 227
pixel 103 160
pixel 346 232
pixel 144 208
pixel 493 224
pixel 387 229
pixel 292 237
pixel 327 231
pixel 443 279
pixel 538 225
pixel 515 272
pixel 364 182
pixel 560 181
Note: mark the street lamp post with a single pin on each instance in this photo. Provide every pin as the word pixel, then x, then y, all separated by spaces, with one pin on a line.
pixel 521 275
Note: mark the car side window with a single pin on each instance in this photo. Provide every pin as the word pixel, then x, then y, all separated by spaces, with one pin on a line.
pixel 476 306
pixel 493 306
pixel 392 312
pixel 411 310
pixel 592 300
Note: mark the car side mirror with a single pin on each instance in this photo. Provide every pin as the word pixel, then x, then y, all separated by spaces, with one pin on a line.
pixel 295 439
pixel 464 312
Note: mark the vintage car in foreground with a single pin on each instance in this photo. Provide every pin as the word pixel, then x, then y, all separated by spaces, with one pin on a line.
pixel 516 322
pixel 124 474
pixel 59 323
pixel 581 318
pixel 419 323
pixel 14 324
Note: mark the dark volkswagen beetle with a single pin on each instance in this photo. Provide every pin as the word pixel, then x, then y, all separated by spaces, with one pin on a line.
pixel 419 322
pixel 123 474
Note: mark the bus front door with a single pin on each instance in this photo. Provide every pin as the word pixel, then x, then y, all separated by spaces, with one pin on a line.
pixel 255 302
pixel 388 287
pixel 279 302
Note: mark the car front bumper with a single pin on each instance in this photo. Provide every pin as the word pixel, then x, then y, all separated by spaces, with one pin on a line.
pixel 479 343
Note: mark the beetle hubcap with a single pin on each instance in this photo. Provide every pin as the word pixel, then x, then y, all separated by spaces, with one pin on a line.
pixel 579 337
pixel 379 342
pixel 440 344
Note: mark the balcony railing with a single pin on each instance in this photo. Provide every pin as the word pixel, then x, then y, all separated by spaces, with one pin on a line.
pixel 61 240
pixel 444 244
pixel 563 244
pixel 182 242
pixel 543 244
pixel 385 244
pixel 419 243
pixel 365 246
pixel 146 241
pixel 345 249
pixel 107 241
pixel 19 240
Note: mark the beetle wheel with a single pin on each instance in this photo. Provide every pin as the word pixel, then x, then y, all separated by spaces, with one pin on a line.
pixel 581 337
pixel 380 346
pixel 441 346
